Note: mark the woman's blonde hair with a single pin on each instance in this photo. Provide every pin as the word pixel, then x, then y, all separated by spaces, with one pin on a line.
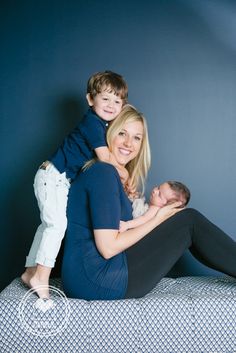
pixel 139 166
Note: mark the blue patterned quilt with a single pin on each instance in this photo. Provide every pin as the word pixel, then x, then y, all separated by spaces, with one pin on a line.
pixel 186 314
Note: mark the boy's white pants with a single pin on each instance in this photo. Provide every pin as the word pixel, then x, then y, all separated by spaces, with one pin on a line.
pixel 51 190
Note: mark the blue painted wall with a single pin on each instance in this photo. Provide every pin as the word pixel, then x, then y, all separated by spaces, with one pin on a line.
pixel 179 58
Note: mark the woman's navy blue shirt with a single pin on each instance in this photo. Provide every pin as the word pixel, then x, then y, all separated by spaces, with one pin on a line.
pixel 96 201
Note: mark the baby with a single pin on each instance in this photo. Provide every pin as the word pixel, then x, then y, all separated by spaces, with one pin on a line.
pixel 165 194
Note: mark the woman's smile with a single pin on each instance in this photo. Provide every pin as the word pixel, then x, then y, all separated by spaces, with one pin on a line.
pixel 127 143
pixel 124 151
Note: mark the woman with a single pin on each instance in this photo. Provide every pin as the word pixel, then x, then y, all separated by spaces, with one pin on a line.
pixel 101 263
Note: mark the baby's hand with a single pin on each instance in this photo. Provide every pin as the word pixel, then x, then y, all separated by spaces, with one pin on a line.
pixel 123 226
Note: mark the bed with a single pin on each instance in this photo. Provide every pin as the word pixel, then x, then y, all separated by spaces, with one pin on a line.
pixel 185 314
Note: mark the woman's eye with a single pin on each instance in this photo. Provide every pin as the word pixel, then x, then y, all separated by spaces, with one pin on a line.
pixel 137 138
pixel 121 133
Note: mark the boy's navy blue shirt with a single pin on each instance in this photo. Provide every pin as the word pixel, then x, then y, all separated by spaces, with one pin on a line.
pixel 78 147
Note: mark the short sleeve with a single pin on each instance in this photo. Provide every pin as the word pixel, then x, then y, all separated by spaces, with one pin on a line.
pixel 104 197
pixel 94 132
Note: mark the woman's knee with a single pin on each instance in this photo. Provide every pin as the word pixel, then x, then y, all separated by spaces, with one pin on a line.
pixel 192 213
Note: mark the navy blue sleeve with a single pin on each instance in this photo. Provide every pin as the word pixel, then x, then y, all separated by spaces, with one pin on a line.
pixel 94 132
pixel 104 197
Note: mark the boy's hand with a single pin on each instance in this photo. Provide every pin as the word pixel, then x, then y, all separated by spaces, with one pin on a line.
pixel 123 226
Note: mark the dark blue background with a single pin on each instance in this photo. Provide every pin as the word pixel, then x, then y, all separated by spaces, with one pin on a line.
pixel 179 59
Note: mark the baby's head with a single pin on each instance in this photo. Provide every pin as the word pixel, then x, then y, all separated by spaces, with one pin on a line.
pixel 169 192
pixel 107 92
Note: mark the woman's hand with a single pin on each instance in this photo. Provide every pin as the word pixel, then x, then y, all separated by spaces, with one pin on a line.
pixel 169 210
pixel 123 226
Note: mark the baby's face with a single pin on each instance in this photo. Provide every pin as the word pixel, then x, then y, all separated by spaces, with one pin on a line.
pixel 161 195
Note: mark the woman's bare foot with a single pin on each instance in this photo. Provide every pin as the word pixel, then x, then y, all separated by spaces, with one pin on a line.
pixel 27 275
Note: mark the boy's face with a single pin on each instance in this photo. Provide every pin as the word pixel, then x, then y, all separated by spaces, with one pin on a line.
pixel 162 195
pixel 105 104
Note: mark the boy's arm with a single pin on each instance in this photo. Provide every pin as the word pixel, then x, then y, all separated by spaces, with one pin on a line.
pixel 149 214
pixel 105 155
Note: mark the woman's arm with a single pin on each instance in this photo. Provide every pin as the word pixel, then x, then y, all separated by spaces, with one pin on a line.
pixel 133 223
pixel 110 242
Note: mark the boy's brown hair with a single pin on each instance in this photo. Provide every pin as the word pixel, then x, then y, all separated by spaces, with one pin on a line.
pixel 110 81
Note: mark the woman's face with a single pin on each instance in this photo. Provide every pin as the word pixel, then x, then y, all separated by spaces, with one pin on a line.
pixel 127 143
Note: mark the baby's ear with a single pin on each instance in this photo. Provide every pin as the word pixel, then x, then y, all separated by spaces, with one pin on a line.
pixel 89 99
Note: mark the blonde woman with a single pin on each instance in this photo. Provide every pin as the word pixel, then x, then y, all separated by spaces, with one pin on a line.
pixel 101 263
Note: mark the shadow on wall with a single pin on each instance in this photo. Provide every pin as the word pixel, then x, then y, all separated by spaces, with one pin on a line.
pixel 21 209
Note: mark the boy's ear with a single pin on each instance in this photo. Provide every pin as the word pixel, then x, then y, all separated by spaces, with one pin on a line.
pixel 89 99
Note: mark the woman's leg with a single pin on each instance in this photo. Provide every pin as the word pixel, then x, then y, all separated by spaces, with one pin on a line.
pixel 152 258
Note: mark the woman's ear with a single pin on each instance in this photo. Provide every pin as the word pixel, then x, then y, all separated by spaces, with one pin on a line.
pixel 89 99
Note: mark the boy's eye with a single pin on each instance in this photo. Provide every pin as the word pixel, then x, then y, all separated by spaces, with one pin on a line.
pixel 105 99
pixel 118 102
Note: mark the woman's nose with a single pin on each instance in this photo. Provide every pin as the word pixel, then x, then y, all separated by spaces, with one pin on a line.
pixel 127 141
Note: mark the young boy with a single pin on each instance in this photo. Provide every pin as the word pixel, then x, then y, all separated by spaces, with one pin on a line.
pixel 165 194
pixel 107 92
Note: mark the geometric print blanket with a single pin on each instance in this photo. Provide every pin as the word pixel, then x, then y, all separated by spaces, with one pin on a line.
pixel 185 314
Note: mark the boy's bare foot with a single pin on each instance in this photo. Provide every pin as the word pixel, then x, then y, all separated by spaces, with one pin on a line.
pixel 27 275
pixel 40 286
pixel 37 278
